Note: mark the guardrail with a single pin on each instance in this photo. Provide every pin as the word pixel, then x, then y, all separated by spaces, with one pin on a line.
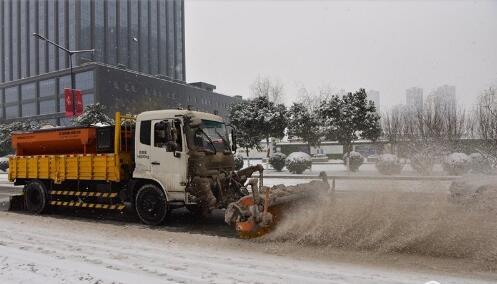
pixel 333 178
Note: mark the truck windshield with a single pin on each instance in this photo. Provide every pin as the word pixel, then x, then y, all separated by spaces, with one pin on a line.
pixel 212 137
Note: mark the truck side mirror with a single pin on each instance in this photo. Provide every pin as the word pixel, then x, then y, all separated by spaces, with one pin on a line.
pixel 168 132
pixel 233 140
pixel 170 137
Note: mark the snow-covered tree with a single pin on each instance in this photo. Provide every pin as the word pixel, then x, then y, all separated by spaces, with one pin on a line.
pixel 258 119
pixel 247 136
pixel 93 114
pixel 304 124
pixel 7 129
pixel 350 117
pixel 270 119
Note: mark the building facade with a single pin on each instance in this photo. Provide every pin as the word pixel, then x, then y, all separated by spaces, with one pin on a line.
pixel 138 63
pixel 42 97
pixel 414 99
pixel 145 36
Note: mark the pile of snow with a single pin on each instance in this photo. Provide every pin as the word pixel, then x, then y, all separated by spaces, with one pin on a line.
pixel 389 164
pixel 456 164
pixel 298 162
pixel 100 124
pixel 47 126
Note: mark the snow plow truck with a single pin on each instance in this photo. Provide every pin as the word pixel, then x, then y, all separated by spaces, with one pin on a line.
pixel 151 164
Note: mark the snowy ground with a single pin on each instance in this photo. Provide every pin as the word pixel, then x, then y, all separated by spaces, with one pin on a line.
pixel 37 249
pixel 62 248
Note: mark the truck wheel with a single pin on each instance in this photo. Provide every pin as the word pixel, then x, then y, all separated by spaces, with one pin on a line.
pixel 151 205
pixel 35 197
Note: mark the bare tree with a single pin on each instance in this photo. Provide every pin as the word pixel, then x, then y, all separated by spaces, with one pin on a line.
pixel 312 100
pixel 486 115
pixel 392 124
pixel 442 122
pixel 439 125
pixel 484 124
pixel 269 88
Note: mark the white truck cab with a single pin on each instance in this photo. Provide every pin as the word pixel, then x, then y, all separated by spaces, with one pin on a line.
pixel 162 150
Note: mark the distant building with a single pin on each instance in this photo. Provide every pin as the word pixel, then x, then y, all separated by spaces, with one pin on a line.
pixel 375 97
pixel 414 99
pixel 443 98
pixel 399 108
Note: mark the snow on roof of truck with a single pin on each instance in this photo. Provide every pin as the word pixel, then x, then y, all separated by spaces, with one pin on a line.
pixel 171 113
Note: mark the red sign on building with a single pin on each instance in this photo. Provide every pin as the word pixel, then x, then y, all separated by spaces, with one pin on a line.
pixel 69 103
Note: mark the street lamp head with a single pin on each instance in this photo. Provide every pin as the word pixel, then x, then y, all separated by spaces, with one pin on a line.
pixel 39 36
pixel 82 51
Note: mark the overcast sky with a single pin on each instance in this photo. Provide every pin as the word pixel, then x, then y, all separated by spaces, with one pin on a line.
pixel 387 46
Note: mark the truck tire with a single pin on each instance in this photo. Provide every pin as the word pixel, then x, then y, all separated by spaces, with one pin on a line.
pixel 35 197
pixel 151 205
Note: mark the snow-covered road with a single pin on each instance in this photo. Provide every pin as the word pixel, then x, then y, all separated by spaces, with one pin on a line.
pixel 54 249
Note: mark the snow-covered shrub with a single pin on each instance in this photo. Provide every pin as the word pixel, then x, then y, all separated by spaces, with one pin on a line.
pixel 298 162
pixel 277 161
pixel 422 163
pixel 389 164
pixel 6 130
pixel 238 161
pixel 480 164
pixel 93 114
pixel 456 164
pixel 356 160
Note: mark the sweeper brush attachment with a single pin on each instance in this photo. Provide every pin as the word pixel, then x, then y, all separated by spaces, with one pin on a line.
pixel 256 214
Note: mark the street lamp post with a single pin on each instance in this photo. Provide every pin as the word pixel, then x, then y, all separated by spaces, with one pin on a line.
pixel 70 53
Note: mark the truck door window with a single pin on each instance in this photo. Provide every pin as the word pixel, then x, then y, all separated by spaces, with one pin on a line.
pixel 145 127
pixel 168 135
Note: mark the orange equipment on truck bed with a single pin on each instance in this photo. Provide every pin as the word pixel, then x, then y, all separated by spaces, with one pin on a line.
pixel 75 153
pixel 73 140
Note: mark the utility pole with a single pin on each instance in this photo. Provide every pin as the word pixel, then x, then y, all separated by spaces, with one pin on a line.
pixel 70 53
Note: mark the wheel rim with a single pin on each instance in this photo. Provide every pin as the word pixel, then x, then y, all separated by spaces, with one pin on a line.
pixel 150 206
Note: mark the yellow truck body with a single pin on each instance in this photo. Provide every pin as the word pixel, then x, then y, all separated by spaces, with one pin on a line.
pixel 105 167
pixel 85 167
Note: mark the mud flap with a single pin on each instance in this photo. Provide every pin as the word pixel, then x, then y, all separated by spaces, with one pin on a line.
pixel 16 203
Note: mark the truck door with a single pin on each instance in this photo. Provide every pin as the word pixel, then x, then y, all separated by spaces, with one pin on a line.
pixel 168 161
pixel 143 147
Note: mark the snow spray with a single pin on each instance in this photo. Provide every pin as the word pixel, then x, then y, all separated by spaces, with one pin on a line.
pixel 385 222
